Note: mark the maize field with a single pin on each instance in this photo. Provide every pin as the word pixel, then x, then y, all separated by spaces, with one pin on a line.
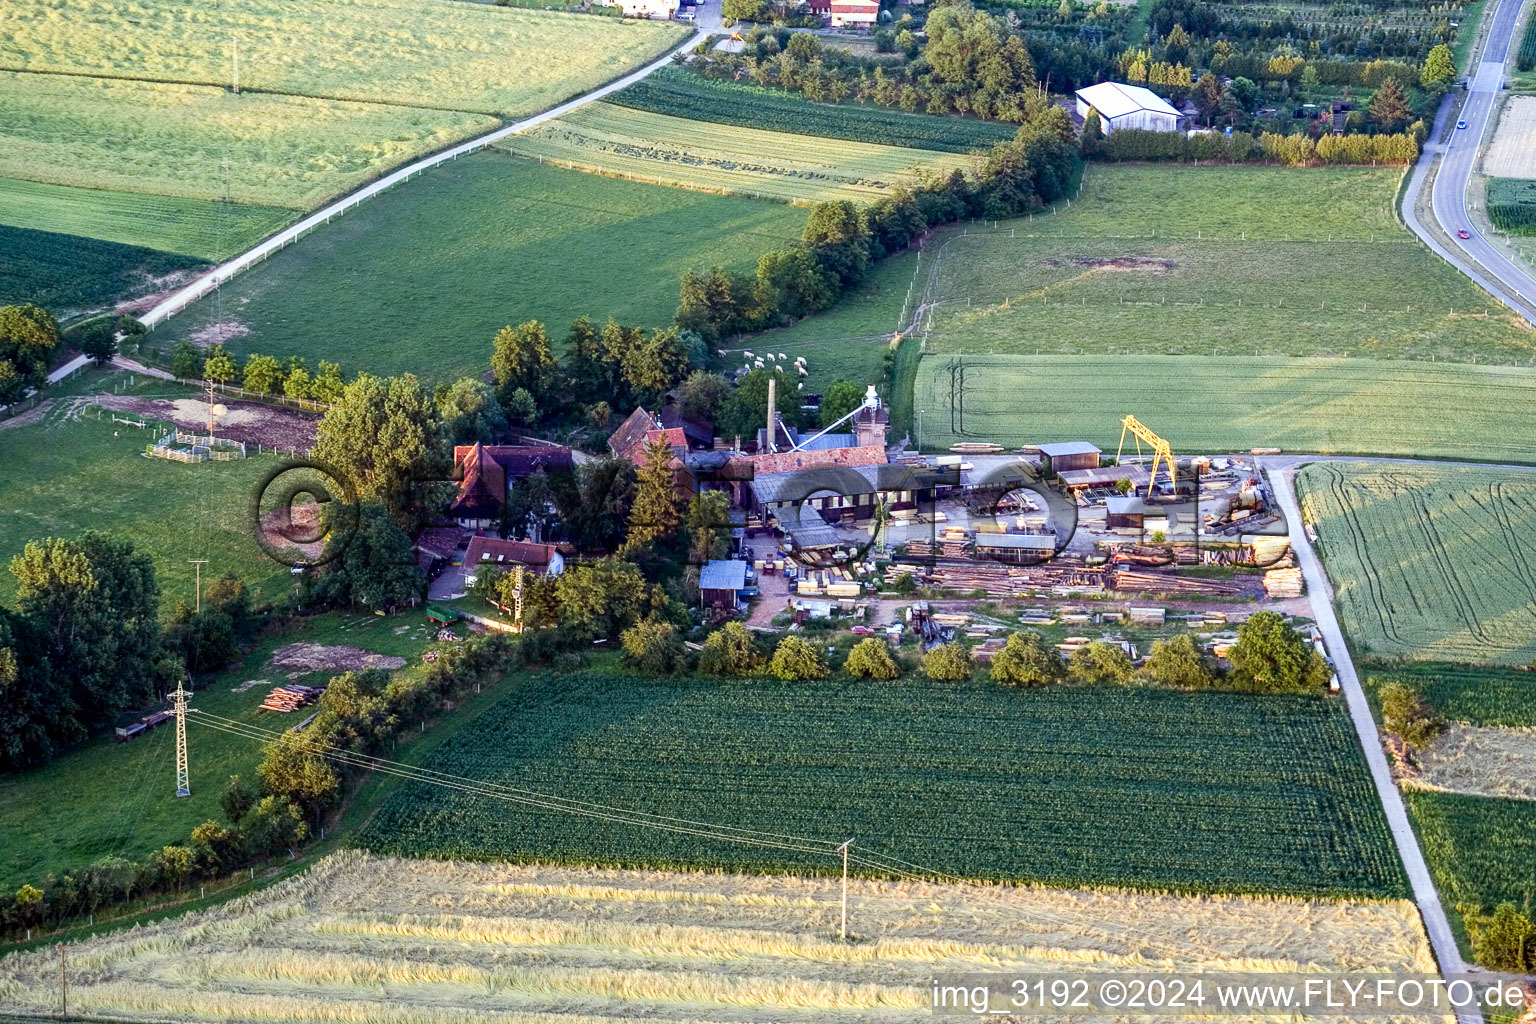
pixel 1480 849
pixel 621 142
pixel 1139 788
pixel 1429 563
pixel 361 938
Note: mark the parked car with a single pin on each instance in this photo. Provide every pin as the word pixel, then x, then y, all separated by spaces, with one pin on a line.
pixel 1463 233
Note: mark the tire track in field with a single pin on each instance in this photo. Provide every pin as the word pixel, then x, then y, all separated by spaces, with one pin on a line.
pixel 1348 513
pixel 1466 608
pixel 1501 503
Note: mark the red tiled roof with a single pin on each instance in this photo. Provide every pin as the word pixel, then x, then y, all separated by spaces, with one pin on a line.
pixel 495 551
pixel 482 482
pixel 785 462
pixel 631 432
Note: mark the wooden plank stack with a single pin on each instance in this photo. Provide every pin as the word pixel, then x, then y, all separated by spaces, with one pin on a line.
pixel 1282 583
pixel 290 698
pixel 1142 581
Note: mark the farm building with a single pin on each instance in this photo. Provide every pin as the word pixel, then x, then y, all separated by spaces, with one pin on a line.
pixel 861 13
pixel 1105 476
pixel 721 582
pixel 543 559
pixel 1070 455
pixel 487 472
pixel 1128 106
pixel 1127 513
pixel 647 8
pixel 1027 548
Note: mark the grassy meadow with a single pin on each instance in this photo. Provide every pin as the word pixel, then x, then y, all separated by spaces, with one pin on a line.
pixel 1479 694
pixel 204 230
pixel 281 150
pixel 1428 562
pixel 625 142
pixel 1357 406
pixel 69 273
pixel 473 58
pixel 408 942
pixel 64 471
pixel 495 240
pixel 1201 792
pixel 109 798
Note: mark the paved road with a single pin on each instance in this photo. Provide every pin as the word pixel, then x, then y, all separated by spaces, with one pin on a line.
pixel 1510 282
pixel 1436 924
pixel 708 21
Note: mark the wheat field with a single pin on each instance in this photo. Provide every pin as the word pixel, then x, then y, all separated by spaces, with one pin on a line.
pixel 425 53
pixel 361 938
pixel 203 142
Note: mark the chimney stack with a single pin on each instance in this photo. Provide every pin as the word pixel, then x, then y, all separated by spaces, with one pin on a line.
pixel 773 397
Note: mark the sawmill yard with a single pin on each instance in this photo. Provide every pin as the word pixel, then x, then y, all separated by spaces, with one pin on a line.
pixel 402 942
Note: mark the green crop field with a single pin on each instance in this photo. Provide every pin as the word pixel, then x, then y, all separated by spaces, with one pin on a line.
pixel 1429 562
pixel 1478 694
pixel 280 150
pixel 207 231
pixel 66 273
pixel 1143 788
pixel 64 471
pixel 1480 849
pixel 684 94
pixel 478 58
pixel 1426 410
pixel 420 279
pixel 118 799
pixel 624 142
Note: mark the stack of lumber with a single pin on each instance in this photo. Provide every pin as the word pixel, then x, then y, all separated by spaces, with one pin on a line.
pixel 977 448
pixel 991 577
pixel 1268 549
pixel 984 651
pixel 1279 583
pixel 289 698
pixel 919 549
pixel 1168 583
pixel 1147 614
pixel 950 619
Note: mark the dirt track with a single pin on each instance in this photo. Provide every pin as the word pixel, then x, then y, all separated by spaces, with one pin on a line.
pixel 249 422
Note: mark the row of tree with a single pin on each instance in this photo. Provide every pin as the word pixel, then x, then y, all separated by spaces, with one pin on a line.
pixel 1240 147
pixel 265 375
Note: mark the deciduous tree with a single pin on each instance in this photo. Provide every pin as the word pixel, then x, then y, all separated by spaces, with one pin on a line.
pixel 1180 663
pixel 1025 660
pixel 797 658
pixel 948 663
pixel 871 659
pixel 730 650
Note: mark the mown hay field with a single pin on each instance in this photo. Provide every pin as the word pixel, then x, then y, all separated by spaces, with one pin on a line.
pixel 420 279
pixel 661 149
pixel 408 942
pixel 204 142
pixel 476 58
pixel 1429 562
pixel 1200 792
pixel 1512 154
pixel 1358 406
pixel 68 273
pixel 200 229
pixel 1481 760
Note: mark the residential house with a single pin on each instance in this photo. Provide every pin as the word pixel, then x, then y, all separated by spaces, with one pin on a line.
pixel 541 559
pixel 487 473
pixel 855 13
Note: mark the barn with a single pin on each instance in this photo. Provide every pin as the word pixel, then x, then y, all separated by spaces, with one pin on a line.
pixel 1127 106
pixel 1126 513
pixel 721 582
pixel 1070 455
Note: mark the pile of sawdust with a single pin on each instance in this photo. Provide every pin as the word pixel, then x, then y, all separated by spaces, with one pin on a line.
pixel 331 658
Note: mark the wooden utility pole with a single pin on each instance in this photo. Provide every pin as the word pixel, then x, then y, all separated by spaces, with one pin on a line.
pixel 235 42
pixel 63 984
pixel 198 586
pixel 842 931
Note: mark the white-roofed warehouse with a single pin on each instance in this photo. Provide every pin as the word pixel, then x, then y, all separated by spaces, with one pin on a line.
pixel 1127 106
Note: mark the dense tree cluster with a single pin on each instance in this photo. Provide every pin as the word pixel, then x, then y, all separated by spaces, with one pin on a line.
pixel 28 337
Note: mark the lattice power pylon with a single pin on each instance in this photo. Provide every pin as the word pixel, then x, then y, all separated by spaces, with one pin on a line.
pixel 179 703
pixel 1160 450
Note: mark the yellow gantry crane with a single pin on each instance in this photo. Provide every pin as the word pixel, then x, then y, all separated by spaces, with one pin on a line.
pixel 1160 449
